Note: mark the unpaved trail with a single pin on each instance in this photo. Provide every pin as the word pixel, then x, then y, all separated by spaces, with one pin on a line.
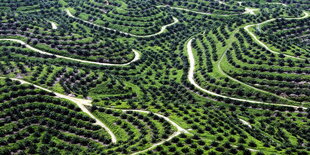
pixel 178 132
pixel 179 128
pixel 245 123
pixel 277 3
pixel 80 102
pixel 84 102
pixel 222 2
pixel 240 82
pixel 247 29
pixel 250 11
pixel 54 26
pixel 188 10
pixel 137 55
pixel 192 81
pixel 162 30
pixel 159 143
pixel 236 80
pixel 247 11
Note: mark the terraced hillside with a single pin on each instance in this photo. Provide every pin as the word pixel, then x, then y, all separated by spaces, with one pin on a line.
pixel 33 120
pixel 154 77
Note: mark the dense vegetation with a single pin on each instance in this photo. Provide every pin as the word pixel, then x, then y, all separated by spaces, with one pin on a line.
pixel 74 73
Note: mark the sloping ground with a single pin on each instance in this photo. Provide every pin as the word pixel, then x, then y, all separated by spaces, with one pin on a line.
pixel 221 93
pixel 137 55
pixel 165 130
pixel 33 116
pixel 162 29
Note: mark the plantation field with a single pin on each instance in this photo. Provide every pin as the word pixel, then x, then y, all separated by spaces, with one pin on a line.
pixel 154 77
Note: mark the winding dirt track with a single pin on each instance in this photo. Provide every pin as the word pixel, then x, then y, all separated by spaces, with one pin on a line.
pixel 137 55
pixel 192 81
pixel 250 11
pixel 178 132
pixel 84 102
pixel 278 3
pixel 54 26
pixel 188 10
pixel 159 143
pixel 80 102
pixel 245 123
pixel 179 128
pixel 257 89
pixel 238 81
pixel 247 29
pixel 162 30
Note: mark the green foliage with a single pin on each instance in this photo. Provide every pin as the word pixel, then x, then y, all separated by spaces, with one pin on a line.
pixel 228 62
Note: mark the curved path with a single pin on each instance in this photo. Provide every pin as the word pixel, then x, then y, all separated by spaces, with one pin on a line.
pixel 247 29
pixel 277 3
pixel 188 10
pixel 257 89
pixel 240 3
pixel 54 26
pixel 179 128
pixel 84 102
pixel 162 30
pixel 80 102
pixel 159 143
pixel 250 11
pixel 192 81
pixel 178 132
pixel 137 55
pixel 240 82
pixel 245 123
